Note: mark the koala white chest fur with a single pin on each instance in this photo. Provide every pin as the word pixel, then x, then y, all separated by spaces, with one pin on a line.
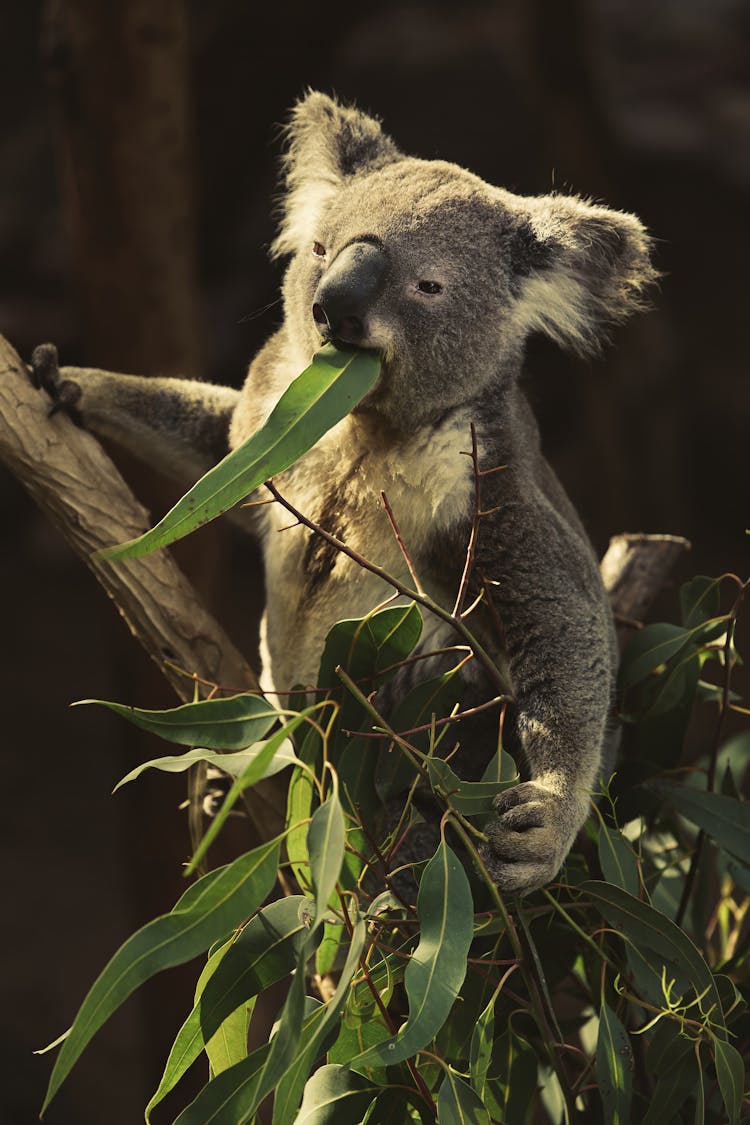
pixel 446 277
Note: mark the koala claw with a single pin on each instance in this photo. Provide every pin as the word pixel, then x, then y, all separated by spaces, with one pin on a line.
pixel 45 374
pixel 528 838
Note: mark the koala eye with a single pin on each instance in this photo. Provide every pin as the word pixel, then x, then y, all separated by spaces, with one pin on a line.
pixel 431 287
pixel 319 250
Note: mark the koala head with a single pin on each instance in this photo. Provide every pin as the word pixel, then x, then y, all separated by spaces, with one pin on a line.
pixel 443 273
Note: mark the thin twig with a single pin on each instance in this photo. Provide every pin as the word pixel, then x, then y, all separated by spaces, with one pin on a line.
pixel 402 545
pixel 425 600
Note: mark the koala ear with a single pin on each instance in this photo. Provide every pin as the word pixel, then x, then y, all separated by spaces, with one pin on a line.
pixel 590 268
pixel 327 143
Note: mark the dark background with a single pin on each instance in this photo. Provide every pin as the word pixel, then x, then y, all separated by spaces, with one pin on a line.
pixel 138 161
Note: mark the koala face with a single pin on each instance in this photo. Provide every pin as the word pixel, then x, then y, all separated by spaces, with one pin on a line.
pixel 444 274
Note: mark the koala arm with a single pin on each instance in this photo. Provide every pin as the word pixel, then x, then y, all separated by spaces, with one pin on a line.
pixel 178 426
pixel 560 648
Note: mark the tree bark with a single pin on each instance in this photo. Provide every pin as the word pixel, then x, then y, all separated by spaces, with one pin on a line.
pixel 73 481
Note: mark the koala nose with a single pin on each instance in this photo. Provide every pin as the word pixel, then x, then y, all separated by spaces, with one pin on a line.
pixel 345 294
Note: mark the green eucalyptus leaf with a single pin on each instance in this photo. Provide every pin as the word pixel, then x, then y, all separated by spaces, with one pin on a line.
pixel 234 763
pixel 367 646
pixel 470 798
pixel 321 396
pixel 723 818
pixel 700 600
pixel 232 723
pixel 437 968
pixel 649 648
pixel 325 843
pixel 614 1065
pixel 480 1054
pixel 209 908
pixel 335 1094
pixel 617 859
pixel 264 951
pixel 730 1071
pixel 645 926
pixel 251 775
pixel 458 1104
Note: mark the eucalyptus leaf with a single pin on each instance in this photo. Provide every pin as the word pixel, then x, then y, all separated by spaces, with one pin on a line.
pixel 458 1104
pixel 325 844
pixel 470 798
pixel 725 819
pixel 264 951
pixel 232 723
pixel 437 968
pixel 335 1094
pixel 251 775
pixel 321 396
pixel 700 600
pixel 234 1096
pixel 649 648
pixel 234 763
pixel 730 1071
pixel 617 860
pixel 645 926
pixel 207 911
pixel 614 1065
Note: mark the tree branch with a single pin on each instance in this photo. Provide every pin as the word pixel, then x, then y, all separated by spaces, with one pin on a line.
pixel 77 486
pixel 634 570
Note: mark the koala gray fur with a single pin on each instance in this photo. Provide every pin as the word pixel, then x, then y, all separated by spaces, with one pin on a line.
pixel 363 226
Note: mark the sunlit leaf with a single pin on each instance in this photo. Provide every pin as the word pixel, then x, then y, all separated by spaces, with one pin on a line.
pixel 480 1054
pixel 325 843
pixel 233 764
pixel 320 397
pixel 617 859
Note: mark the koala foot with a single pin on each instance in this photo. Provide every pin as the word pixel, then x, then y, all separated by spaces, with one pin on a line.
pixel 45 374
pixel 528 838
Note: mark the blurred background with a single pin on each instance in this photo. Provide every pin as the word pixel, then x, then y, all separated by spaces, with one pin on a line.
pixel 139 149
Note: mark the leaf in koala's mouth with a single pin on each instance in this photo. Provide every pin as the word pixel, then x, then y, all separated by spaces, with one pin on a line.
pixel 329 389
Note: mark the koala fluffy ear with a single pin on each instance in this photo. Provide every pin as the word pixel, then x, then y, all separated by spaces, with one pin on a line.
pixel 590 270
pixel 327 143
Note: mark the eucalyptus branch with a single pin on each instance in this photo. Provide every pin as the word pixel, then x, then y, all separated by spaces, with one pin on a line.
pixel 422 599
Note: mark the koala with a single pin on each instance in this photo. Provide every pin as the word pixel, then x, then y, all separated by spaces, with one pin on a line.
pixel 446 277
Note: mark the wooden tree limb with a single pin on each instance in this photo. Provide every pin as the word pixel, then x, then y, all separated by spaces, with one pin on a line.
pixel 634 570
pixel 75 483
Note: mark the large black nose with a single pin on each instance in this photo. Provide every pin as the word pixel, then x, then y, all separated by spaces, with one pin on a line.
pixel 346 292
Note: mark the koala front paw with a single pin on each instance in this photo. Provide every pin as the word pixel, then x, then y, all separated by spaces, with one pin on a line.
pixel 45 373
pixel 528 838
